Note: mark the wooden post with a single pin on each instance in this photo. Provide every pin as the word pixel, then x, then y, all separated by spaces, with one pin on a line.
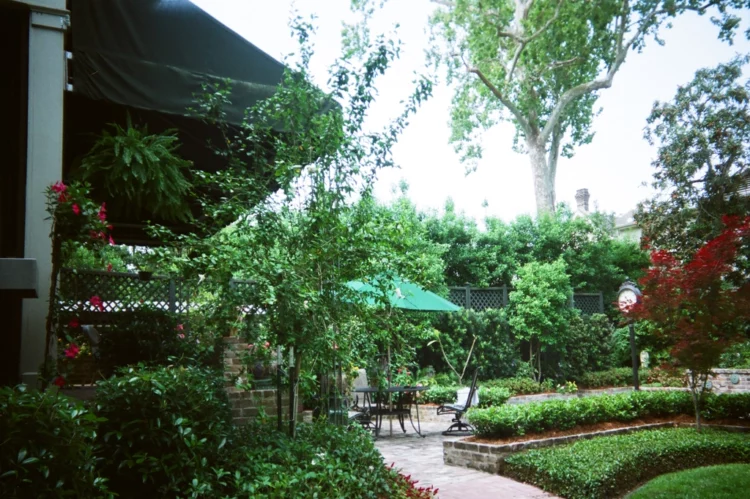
pixel 172 295
pixel 505 295
pixel 279 412
pixel 468 296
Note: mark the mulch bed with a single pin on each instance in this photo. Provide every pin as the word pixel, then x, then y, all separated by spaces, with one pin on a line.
pixel 683 418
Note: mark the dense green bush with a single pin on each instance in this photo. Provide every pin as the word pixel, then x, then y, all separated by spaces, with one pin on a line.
pixel 163 427
pixel 322 461
pixel 496 353
pixel 520 386
pixel 440 394
pixel 619 376
pixel 611 466
pixel 588 347
pixel 493 396
pixel 46 446
pixel 510 420
pixel 156 337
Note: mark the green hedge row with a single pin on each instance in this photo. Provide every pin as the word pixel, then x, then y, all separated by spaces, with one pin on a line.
pixel 488 396
pixel 510 420
pixel 611 466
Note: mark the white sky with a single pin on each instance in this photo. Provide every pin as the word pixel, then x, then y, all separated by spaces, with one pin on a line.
pixel 612 167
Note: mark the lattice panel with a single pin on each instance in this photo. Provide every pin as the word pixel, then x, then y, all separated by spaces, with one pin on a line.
pixel 119 292
pixel 482 299
pixel 458 296
pixel 588 303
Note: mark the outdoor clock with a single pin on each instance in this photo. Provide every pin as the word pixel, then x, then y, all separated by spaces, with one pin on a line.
pixel 627 296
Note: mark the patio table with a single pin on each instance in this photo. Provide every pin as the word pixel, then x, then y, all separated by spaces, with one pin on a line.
pixel 380 407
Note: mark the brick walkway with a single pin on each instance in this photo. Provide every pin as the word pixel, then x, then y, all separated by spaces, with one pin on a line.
pixel 422 458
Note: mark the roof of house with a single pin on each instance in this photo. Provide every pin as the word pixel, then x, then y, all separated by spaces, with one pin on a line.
pixel 625 220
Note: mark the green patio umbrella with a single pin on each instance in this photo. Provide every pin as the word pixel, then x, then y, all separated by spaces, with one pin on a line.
pixel 406 295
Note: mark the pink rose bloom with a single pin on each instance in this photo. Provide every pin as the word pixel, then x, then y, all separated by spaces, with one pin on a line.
pixel 181 336
pixel 76 209
pixel 72 351
pixel 59 381
pixel 97 302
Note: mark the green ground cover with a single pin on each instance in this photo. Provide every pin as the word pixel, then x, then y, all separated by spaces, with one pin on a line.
pixel 610 466
pixel 728 481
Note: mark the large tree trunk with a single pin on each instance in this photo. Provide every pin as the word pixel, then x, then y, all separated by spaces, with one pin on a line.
pixel 544 178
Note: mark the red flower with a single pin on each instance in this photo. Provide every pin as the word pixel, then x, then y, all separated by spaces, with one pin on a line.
pixel 97 302
pixel 59 381
pixel 266 344
pixel 103 212
pixel 59 187
pixel 74 323
pixel 76 209
pixel 72 351
pixel 109 267
pixel 111 241
pixel 181 336
pixel 180 327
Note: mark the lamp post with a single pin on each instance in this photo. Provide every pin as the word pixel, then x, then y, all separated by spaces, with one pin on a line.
pixel 627 296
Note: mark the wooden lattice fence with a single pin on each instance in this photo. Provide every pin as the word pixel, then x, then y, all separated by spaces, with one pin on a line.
pixel 119 293
pixel 497 297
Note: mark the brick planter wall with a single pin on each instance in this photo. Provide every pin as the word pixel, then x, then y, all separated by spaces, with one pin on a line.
pixel 247 404
pixel 730 381
pixel 491 457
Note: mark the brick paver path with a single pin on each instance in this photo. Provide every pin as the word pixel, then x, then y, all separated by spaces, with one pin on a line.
pixel 422 458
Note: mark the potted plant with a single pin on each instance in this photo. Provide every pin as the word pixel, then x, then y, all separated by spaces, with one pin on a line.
pixel 257 360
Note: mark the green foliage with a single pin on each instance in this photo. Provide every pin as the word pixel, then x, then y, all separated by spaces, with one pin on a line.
pixel 163 428
pixel 495 351
pixel 703 137
pixel 141 172
pixel 567 388
pixel 518 385
pixel 618 376
pixel 611 466
pixel 727 481
pixel 47 446
pixel 323 461
pixel 588 347
pixel 510 420
pixel 493 396
pixel 439 394
pixel 737 356
pixel 539 308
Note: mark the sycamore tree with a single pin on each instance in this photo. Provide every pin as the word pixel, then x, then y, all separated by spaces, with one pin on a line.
pixel 541 64
pixel 703 160
pixel 539 309
pixel 695 308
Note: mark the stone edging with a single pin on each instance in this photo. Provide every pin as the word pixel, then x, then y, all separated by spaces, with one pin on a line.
pixel 491 457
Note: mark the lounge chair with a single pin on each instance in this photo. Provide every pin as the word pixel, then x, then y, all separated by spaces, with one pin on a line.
pixel 458 408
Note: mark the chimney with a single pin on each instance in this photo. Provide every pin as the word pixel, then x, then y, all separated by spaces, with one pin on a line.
pixel 582 200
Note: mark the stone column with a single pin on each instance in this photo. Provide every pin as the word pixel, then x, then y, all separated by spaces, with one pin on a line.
pixel 48 22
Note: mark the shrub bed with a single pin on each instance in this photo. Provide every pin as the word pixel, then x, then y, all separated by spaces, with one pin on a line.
pixel 512 420
pixel 619 376
pixel 47 446
pixel 164 427
pixel 521 386
pixel 438 394
pixel 493 396
pixel 611 466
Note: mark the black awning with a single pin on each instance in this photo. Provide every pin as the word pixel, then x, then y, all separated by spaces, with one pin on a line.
pixel 156 54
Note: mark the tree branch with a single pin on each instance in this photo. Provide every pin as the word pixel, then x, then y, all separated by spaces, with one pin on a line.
pixel 522 42
pixel 502 98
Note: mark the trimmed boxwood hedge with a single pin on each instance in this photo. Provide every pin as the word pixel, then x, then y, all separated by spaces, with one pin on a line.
pixel 511 420
pixel 610 466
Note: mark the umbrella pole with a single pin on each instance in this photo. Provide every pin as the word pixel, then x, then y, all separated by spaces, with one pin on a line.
pixel 390 395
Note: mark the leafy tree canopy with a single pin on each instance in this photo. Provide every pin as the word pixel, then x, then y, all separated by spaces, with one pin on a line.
pixel 702 164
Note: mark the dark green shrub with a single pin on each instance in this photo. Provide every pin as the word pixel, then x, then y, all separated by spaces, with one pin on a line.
pixel 440 394
pixel 510 420
pixel 493 396
pixel 588 346
pixel 611 466
pixel 147 336
pixel 620 376
pixel 46 446
pixel 164 427
pixel 322 461
pixel 495 353
pixel 517 386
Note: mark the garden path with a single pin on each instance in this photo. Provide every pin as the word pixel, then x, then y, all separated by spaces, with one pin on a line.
pixel 422 458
